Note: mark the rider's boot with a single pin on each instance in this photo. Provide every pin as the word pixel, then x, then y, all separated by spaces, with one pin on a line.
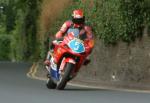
pixel 86 62
pixel 47 62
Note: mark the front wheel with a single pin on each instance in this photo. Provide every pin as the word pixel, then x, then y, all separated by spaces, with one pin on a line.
pixel 50 84
pixel 65 77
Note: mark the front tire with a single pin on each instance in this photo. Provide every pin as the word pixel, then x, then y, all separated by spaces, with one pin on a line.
pixel 64 78
pixel 50 84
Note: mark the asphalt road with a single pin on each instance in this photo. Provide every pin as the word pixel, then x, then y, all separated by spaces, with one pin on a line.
pixel 16 87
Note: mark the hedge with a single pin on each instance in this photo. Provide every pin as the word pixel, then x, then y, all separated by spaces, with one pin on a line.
pixel 5 48
pixel 112 20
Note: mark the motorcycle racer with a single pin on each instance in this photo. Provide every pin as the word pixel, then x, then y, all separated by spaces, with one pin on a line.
pixel 85 33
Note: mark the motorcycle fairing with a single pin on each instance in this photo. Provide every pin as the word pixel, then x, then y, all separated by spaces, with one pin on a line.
pixel 54 71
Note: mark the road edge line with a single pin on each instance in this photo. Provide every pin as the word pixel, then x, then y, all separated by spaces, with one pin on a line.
pixel 33 70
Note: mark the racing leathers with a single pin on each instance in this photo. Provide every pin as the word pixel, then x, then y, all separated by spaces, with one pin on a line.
pixel 85 33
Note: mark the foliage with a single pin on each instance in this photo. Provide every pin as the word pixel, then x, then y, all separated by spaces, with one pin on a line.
pixel 30 27
pixel 49 22
pixel 112 20
pixel 10 16
pixel 19 20
pixel 5 47
pixel 18 45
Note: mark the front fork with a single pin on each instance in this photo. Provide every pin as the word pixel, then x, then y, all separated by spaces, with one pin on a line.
pixel 63 63
pixel 55 72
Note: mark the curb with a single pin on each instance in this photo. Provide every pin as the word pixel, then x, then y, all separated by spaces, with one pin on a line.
pixel 32 72
pixel 34 68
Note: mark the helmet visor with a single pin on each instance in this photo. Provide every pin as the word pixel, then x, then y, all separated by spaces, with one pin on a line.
pixel 78 20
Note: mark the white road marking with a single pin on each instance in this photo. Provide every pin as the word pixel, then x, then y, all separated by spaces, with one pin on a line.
pixel 33 70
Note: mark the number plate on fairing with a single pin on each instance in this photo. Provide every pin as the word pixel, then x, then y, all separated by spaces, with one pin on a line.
pixel 76 46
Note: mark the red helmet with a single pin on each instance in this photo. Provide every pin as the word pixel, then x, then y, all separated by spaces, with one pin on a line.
pixel 78 16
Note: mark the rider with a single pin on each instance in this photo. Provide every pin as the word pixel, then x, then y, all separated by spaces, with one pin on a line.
pixel 78 21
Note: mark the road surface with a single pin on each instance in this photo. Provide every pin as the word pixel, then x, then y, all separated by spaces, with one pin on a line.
pixel 16 87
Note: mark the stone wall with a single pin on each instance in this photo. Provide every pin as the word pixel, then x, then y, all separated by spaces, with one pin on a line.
pixel 122 63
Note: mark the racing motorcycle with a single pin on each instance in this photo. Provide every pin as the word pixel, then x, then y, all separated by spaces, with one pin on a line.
pixel 66 60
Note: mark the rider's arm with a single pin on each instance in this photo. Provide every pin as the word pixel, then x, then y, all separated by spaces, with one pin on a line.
pixel 90 38
pixel 59 34
pixel 63 29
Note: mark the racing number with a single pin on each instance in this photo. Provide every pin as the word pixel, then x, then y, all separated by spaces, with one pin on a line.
pixel 76 45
